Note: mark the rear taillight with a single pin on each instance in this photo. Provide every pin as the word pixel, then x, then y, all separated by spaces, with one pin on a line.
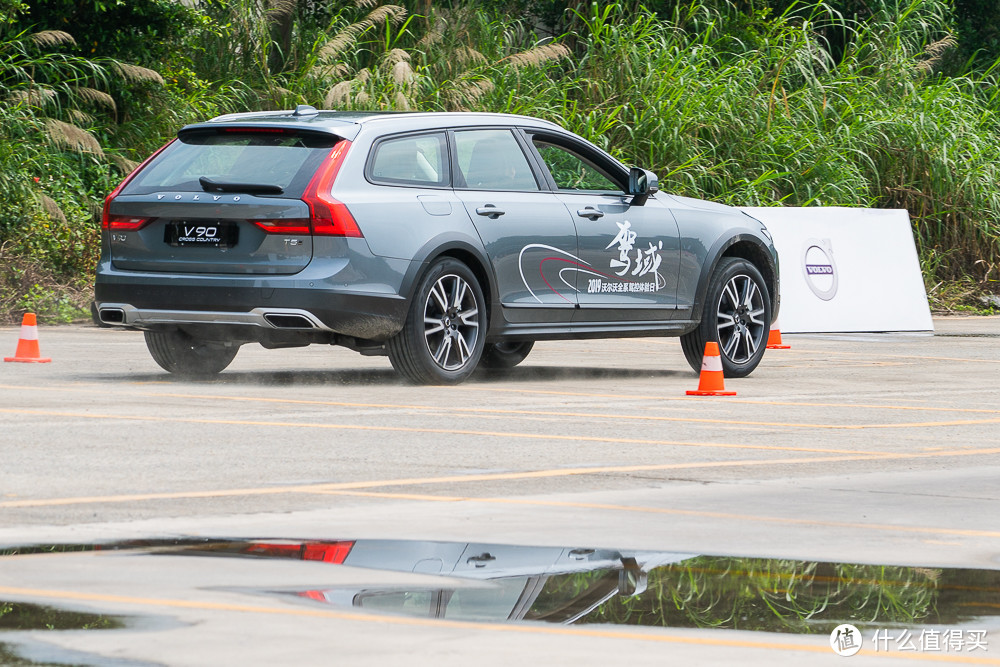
pixel 329 217
pixel 106 219
pixel 328 552
pixel 289 226
pixel 124 223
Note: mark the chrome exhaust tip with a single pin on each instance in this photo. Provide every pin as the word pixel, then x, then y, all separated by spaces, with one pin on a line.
pixel 112 315
pixel 288 321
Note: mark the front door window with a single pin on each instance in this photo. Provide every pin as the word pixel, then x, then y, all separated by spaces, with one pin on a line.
pixel 628 255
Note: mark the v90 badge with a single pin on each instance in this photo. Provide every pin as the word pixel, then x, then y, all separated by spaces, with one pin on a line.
pixel 206 234
pixel 192 233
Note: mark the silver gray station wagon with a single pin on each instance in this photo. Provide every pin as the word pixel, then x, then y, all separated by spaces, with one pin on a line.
pixel 447 241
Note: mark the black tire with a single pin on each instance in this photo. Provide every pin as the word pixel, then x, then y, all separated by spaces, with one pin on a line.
pixel 179 353
pixel 445 331
pixel 737 316
pixel 497 356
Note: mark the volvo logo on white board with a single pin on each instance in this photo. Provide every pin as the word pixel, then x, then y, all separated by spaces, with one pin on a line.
pixel 820 269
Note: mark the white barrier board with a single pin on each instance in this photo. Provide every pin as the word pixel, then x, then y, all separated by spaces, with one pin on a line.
pixel 846 269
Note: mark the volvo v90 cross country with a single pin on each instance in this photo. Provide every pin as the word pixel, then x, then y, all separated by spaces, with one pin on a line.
pixel 445 240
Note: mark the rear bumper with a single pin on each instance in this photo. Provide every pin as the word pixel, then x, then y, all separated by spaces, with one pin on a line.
pixel 366 317
pixel 252 306
pixel 127 315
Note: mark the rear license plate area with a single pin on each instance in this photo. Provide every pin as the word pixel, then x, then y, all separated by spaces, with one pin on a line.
pixel 201 234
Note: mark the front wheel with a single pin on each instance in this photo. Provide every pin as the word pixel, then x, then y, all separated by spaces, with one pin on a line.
pixel 445 330
pixel 180 353
pixel 737 316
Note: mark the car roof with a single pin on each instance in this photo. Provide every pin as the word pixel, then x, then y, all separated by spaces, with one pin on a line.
pixel 348 124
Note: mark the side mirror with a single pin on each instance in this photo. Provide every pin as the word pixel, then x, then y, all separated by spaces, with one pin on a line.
pixel 632 579
pixel 641 184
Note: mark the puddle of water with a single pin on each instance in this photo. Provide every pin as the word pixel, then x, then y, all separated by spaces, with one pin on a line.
pixel 23 616
pixel 799 597
pixel 579 585
pixel 11 659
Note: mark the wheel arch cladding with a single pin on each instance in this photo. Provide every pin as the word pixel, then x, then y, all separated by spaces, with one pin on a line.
pixel 759 257
pixel 742 247
pixel 475 264
pixel 458 247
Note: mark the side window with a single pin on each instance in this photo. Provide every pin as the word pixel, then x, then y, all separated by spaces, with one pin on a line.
pixel 493 160
pixel 572 171
pixel 413 160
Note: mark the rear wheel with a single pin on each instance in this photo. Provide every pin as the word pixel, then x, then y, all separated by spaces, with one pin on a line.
pixel 445 330
pixel 737 316
pixel 505 354
pixel 180 353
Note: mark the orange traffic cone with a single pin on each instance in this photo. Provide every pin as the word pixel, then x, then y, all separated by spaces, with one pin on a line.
pixel 711 383
pixel 774 338
pixel 27 345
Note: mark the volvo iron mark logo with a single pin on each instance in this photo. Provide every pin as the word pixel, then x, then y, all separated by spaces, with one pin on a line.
pixel 820 270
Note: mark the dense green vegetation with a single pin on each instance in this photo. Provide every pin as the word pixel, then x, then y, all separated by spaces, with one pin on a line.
pixel 772 595
pixel 889 103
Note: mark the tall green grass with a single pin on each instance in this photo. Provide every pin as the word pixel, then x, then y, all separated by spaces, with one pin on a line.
pixel 723 101
pixel 765 116
pixel 781 596
pixel 747 109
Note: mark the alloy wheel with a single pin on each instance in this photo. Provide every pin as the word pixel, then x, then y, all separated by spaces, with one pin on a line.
pixel 741 319
pixel 451 322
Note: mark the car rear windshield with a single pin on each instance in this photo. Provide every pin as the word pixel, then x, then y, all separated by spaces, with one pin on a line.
pixel 280 158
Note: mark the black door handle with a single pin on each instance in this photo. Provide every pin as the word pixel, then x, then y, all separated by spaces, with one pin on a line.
pixel 590 212
pixel 482 559
pixel 490 211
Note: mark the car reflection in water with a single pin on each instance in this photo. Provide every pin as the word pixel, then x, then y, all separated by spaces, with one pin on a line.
pixel 550 584
pixel 492 582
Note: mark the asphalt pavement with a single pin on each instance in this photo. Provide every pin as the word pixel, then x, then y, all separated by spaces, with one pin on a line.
pixel 869 451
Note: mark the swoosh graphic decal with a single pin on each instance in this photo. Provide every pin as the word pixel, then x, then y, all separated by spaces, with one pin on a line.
pixel 520 266
pixel 579 266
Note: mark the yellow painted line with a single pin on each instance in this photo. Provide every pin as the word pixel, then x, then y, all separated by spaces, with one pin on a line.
pixel 419 481
pixel 445 431
pixel 927 358
pixel 652 635
pixel 834 363
pixel 729 516
pixel 967 422
pixel 480 411
pixel 880 355
pixel 576 415
pixel 490 411
pixel 486 477
pixel 911 408
pixel 849 406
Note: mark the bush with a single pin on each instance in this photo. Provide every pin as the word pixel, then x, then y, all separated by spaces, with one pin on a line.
pixel 750 103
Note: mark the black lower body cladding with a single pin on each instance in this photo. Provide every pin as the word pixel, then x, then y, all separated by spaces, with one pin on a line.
pixel 362 316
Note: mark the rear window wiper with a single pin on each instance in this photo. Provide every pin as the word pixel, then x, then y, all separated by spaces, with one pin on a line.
pixel 208 185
